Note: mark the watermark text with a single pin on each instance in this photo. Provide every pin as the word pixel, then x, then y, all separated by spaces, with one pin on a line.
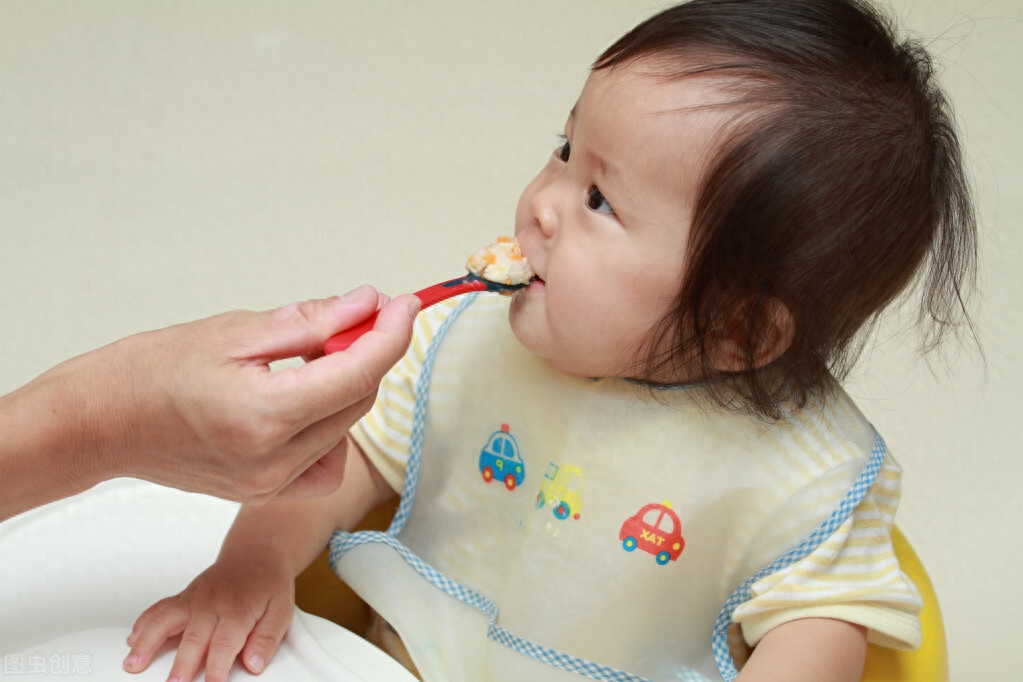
pixel 47 663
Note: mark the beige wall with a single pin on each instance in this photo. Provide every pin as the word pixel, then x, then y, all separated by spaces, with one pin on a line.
pixel 164 161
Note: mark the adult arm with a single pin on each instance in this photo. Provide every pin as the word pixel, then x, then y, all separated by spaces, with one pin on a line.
pixel 197 407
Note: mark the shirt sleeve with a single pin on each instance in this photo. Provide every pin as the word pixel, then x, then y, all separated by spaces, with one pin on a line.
pixel 385 433
pixel 853 576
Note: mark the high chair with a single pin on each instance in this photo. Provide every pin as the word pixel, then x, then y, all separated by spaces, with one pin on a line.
pixel 319 592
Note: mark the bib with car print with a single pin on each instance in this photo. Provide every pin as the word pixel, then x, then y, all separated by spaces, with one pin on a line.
pixel 552 516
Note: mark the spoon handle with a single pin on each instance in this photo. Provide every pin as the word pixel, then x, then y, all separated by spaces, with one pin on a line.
pixel 429 296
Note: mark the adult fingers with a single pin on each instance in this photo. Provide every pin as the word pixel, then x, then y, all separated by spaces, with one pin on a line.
pixel 360 368
pixel 267 635
pixel 323 477
pixel 332 383
pixel 311 450
pixel 318 352
pixel 301 329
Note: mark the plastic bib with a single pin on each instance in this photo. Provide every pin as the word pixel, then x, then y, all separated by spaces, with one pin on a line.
pixel 552 526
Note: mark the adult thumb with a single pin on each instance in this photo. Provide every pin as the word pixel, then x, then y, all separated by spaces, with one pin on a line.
pixel 301 329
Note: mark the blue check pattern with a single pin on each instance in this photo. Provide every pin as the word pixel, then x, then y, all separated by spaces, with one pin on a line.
pixel 821 533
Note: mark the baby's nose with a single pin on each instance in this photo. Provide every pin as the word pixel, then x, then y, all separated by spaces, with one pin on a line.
pixel 543 208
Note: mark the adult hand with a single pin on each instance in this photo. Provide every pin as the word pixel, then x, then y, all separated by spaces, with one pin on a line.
pixel 197 406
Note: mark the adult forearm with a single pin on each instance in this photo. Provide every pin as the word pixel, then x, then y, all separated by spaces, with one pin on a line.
pixel 49 448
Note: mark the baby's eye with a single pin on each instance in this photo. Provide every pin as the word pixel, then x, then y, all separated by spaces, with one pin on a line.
pixel 564 151
pixel 595 201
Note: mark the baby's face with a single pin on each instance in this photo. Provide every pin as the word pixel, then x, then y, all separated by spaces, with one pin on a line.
pixel 606 222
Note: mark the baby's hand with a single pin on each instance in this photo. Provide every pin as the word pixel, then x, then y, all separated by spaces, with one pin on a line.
pixel 232 607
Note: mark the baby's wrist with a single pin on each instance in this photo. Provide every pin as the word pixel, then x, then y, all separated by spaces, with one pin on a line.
pixel 244 552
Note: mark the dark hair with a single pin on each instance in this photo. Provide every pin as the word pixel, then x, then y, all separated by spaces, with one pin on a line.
pixel 839 184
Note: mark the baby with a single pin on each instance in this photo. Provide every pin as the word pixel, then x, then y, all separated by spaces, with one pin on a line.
pixel 642 466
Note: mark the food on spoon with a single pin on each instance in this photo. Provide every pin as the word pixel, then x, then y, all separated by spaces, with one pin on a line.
pixel 501 262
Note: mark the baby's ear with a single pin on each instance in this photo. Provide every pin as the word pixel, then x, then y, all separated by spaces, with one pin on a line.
pixel 772 337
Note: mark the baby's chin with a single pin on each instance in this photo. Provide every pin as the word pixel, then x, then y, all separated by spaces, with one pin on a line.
pixel 551 353
pixel 522 329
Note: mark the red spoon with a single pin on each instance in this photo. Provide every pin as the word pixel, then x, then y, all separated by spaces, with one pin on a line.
pixel 428 296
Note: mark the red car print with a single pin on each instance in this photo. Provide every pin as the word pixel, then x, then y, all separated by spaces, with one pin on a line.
pixel 655 529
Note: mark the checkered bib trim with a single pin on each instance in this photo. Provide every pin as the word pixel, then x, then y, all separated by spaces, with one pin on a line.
pixel 821 533
pixel 343 541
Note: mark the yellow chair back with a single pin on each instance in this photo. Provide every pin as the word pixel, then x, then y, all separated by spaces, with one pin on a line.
pixel 929 663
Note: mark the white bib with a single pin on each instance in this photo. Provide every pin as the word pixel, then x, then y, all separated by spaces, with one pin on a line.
pixel 553 526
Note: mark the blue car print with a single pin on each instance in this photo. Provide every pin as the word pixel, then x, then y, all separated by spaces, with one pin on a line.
pixel 500 459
